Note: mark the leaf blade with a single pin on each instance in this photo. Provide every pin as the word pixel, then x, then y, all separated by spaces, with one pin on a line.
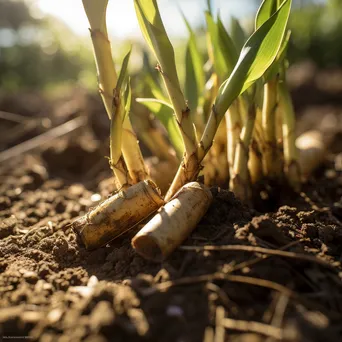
pixel 164 113
pixel 227 47
pixel 257 55
pixel 266 10
pixel 194 75
pixel 214 46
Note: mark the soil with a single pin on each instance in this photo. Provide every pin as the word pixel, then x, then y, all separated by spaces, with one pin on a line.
pixel 274 271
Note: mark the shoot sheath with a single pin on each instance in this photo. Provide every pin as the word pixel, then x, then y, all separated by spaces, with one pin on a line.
pixel 118 214
pixel 173 223
pixel 113 98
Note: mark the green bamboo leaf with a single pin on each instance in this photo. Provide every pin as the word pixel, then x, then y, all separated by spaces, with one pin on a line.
pixel 191 89
pixel 266 10
pixel 257 55
pixel 227 47
pixel 194 73
pixel 151 100
pixel 210 92
pixel 128 97
pixel 147 68
pixel 219 62
pixel 152 78
pixel 156 37
pixel 156 89
pixel 164 113
pixel 274 69
pixel 238 34
pixel 210 6
pixel 123 72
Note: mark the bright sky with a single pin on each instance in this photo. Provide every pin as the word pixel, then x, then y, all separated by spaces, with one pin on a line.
pixel 121 18
pixel 122 22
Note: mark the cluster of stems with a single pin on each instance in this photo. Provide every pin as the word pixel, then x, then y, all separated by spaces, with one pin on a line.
pixel 126 159
pixel 241 127
pixel 224 120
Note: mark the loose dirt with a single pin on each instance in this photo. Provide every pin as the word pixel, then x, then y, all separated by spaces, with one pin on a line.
pixel 276 266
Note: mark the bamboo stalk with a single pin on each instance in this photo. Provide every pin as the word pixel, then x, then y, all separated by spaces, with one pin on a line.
pixel 240 179
pixel 116 160
pixel 255 163
pixel 118 214
pixel 215 164
pixel 291 167
pixel 156 36
pixel 107 79
pixel 112 99
pixel 173 223
pixel 270 103
pixel 255 166
pixel 106 73
pixel 189 164
pixel 132 153
pixel 234 125
pixel 190 173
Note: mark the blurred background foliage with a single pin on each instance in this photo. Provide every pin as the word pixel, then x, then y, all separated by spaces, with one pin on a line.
pixel 41 52
pixel 317 33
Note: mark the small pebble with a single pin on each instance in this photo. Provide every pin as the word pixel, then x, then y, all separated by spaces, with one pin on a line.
pixel 31 316
pixel 330 174
pixel 102 315
pixel 92 282
pixel 83 291
pixel 7 226
pixel 5 202
pixel 31 277
pixel 95 197
pixel 338 162
pixel 54 315
pixel 76 190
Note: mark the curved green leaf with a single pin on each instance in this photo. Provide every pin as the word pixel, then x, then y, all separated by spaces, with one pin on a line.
pixel 128 97
pixel 194 73
pixel 227 47
pixel 238 34
pixel 257 55
pixel 155 88
pixel 164 113
pixel 214 40
pixel 266 10
pixel 210 7
pixel 123 72
pixel 279 62
pixel 154 32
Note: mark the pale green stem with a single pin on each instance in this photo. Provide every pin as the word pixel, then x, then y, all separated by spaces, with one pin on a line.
pixel 292 170
pixel 120 140
pixel 255 162
pixel 270 157
pixel 132 153
pixel 240 181
pixel 116 161
pixel 234 125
